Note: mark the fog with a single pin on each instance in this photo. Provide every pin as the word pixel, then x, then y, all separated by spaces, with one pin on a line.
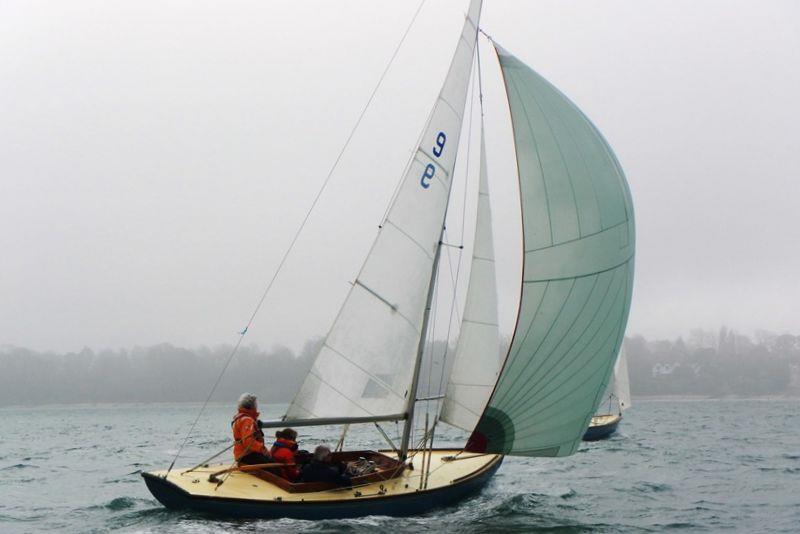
pixel 156 158
pixel 704 364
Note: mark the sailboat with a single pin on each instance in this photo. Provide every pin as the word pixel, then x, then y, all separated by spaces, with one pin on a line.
pixel 534 400
pixel 604 424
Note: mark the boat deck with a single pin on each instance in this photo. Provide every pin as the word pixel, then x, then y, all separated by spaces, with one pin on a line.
pixel 246 486
pixel 605 419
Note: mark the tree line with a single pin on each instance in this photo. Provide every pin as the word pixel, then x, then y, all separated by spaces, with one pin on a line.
pixel 715 364
pixel 705 363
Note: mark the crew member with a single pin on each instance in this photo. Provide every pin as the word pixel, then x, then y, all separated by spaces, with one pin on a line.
pixel 322 469
pixel 248 440
pixel 283 450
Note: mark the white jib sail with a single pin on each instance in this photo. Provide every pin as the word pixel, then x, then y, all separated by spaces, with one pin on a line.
pixel 365 366
pixel 477 359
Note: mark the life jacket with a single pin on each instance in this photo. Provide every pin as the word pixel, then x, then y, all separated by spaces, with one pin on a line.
pixel 247 437
pixel 283 451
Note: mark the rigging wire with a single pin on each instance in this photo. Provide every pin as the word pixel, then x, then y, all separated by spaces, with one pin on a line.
pixel 432 340
pixel 461 243
pixel 286 254
pixel 427 444
pixel 455 279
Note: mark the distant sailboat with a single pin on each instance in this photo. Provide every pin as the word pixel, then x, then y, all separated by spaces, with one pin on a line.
pixel 536 400
pixel 604 424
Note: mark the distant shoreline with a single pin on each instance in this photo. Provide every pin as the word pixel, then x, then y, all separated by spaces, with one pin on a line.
pixel 787 396
pixel 645 398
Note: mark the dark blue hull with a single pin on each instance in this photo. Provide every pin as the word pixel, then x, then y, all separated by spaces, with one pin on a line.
pixel 415 503
pixel 596 433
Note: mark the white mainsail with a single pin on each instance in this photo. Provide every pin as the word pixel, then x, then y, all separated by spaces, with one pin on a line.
pixel 365 365
pixel 477 358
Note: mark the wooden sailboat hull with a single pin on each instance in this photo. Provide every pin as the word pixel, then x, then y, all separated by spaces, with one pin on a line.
pixel 602 427
pixel 244 495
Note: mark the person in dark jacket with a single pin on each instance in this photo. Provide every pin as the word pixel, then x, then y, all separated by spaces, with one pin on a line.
pixel 321 469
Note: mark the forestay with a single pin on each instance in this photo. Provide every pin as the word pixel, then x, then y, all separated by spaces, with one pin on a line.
pixel 365 366
pixel 577 275
pixel 477 359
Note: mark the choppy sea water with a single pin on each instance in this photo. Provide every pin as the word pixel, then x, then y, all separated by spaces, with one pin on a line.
pixel 699 465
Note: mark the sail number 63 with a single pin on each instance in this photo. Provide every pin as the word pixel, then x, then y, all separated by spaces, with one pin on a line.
pixel 430 169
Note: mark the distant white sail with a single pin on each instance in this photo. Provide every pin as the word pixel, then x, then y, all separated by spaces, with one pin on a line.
pixel 622 385
pixel 366 363
pixel 477 358
pixel 618 392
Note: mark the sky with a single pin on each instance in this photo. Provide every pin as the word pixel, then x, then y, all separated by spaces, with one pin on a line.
pixel 156 158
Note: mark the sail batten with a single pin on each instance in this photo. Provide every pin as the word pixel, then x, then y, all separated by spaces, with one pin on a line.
pixel 366 365
pixel 578 234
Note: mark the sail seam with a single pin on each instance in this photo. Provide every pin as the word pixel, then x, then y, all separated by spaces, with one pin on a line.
pixel 530 415
pixel 323 381
pixel 462 405
pixel 519 373
pixel 620 329
pixel 434 161
pixel 417 243
pixel 599 307
pixel 617 266
pixel 560 153
pixel 512 358
pixel 589 173
pixel 588 378
pixel 473 321
pixel 474 27
pixel 523 370
pixel 586 236
pixel 589 324
pixel 372 376
pixel 449 105
pixel 538 161
pixel 603 143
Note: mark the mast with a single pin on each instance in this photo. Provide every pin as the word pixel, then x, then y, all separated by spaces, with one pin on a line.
pixel 411 401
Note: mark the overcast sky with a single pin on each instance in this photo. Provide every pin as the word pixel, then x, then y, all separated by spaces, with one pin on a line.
pixel 157 157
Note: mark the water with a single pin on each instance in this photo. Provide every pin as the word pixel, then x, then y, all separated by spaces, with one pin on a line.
pixel 697 465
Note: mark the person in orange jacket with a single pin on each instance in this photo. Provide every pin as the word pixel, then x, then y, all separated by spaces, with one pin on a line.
pixel 248 440
pixel 283 450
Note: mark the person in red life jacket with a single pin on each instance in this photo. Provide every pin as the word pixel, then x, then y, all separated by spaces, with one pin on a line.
pixel 283 450
pixel 248 440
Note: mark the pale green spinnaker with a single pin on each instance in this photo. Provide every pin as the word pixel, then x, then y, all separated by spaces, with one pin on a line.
pixel 578 233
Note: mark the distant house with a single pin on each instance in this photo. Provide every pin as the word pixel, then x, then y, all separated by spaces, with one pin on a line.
pixel 660 369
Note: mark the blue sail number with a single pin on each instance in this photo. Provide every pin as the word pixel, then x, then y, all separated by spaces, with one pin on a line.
pixel 440 139
pixel 430 169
